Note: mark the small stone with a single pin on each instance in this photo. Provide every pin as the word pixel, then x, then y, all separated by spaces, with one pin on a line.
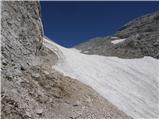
pixel 76 104
pixel 28 114
pixel 46 72
pixel 4 63
pixel 36 76
pixel 22 68
pixel 39 111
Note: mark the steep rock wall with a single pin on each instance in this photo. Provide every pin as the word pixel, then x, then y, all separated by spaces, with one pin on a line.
pixel 21 32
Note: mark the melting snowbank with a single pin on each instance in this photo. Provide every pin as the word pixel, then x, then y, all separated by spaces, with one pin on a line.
pixel 130 84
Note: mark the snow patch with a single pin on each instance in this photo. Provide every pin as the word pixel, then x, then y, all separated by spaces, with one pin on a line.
pixel 85 51
pixel 117 41
pixel 129 84
pixel 114 37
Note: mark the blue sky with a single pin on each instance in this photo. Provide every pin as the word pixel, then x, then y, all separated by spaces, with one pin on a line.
pixel 72 22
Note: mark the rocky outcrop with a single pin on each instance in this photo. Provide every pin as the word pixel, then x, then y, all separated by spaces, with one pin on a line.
pixel 30 87
pixel 21 48
pixel 21 34
pixel 141 36
pixel 144 24
pixel 143 33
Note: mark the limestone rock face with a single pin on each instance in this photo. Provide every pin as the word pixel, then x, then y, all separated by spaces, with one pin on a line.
pixel 141 39
pixel 21 32
pixel 21 41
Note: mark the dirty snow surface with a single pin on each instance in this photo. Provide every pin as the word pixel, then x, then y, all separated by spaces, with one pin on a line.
pixel 129 84
pixel 117 41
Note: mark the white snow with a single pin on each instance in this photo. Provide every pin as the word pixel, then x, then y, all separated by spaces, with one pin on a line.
pixel 117 41
pixel 129 84
pixel 114 37
pixel 86 51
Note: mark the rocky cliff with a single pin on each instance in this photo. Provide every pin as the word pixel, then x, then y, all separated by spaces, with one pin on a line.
pixel 141 39
pixel 30 88
pixel 21 33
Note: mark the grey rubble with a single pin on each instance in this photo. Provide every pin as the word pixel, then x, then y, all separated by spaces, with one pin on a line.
pixel 141 36
pixel 30 88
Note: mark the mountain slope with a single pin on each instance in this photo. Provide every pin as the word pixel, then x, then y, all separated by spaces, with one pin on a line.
pixel 32 85
pixel 141 36
pixel 30 88
pixel 130 84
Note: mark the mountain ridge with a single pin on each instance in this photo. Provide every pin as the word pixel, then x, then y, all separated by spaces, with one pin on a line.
pixel 141 36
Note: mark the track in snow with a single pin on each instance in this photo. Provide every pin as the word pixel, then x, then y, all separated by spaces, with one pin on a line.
pixel 130 84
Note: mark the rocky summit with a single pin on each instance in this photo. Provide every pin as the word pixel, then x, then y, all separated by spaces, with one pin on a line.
pixel 30 87
pixel 136 39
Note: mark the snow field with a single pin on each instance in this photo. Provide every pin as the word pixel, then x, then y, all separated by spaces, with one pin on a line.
pixel 129 84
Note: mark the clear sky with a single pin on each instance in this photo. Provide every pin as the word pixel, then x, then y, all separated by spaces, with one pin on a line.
pixel 72 22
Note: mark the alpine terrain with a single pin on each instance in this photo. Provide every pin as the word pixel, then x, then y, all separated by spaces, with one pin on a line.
pixel 99 79
pixel 136 39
